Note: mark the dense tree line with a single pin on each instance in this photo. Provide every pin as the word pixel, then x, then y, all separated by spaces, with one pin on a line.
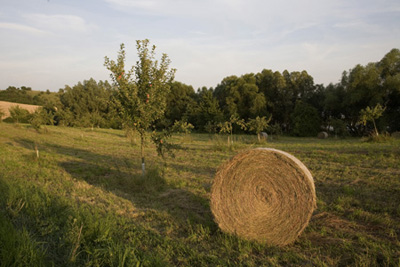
pixel 291 100
pixel 87 104
pixel 25 95
pixel 298 106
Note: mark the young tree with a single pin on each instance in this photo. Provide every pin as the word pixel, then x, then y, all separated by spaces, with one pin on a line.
pixel 141 92
pixel 182 127
pixel 258 124
pixel 41 116
pixel 227 127
pixel 371 114
pixel 18 114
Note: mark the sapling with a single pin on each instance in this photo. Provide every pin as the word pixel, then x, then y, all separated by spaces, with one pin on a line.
pixel 140 96
pixel 371 114
pixel 258 125
pixel 227 127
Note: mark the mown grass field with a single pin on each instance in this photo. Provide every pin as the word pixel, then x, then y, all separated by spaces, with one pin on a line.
pixel 83 202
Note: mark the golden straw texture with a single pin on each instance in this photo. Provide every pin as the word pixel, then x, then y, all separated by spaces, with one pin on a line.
pixel 265 195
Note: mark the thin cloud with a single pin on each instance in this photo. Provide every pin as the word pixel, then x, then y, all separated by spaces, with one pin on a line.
pixel 206 40
pixel 21 28
pixel 58 22
pixel 132 4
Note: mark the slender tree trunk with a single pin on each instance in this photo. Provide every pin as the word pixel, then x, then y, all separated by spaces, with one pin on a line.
pixel 142 154
pixel 376 130
pixel 259 138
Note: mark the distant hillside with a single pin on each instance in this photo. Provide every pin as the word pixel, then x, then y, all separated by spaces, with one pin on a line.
pixel 25 95
pixel 4 106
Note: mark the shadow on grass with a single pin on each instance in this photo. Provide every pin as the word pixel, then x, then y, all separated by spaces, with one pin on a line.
pixel 119 176
pixel 203 169
pixel 38 227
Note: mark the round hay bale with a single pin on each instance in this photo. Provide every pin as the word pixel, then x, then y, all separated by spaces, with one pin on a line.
pixel 265 195
pixel 322 135
pixel 264 135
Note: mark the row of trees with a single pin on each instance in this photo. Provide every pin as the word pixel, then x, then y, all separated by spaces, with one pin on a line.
pixel 25 95
pixel 291 100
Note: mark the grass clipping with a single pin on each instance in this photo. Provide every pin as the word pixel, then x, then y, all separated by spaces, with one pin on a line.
pixel 265 195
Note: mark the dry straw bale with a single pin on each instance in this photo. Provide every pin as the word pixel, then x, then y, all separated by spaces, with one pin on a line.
pixel 322 135
pixel 265 195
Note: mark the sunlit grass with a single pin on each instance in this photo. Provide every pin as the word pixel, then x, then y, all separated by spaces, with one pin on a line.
pixel 83 201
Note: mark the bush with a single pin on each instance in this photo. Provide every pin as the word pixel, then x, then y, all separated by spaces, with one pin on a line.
pixel 306 120
pixel 41 117
pixel 19 115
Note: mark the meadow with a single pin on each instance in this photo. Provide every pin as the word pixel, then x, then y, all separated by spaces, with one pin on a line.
pixel 76 197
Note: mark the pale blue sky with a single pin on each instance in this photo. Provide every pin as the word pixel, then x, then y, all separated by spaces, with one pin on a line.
pixel 47 44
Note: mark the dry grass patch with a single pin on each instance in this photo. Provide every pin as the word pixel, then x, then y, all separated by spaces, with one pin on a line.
pixel 4 106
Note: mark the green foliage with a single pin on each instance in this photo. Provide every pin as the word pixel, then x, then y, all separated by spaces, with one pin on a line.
pixel 180 100
pixel 227 126
pixel 339 127
pixel 371 114
pixel 86 104
pixel 207 111
pixel 275 129
pixel 159 104
pixel 182 127
pixel 25 95
pixel 241 96
pixel 306 120
pixel 141 92
pixel 258 125
pixel 334 102
pixel 19 115
pixel 17 95
pixel 161 140
pixel 211 127
pixel 41 117
pixel 64 117
pixel 369 85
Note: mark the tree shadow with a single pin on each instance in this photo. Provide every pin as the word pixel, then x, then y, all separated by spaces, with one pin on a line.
pixel 198 169
pixel 118 175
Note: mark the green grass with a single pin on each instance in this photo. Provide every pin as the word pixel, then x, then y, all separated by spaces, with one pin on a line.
pixel 83 202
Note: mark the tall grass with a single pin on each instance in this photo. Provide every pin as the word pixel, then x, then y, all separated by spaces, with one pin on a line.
pixel 83 202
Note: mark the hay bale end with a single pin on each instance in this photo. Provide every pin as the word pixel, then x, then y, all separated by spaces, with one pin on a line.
pixel 265 195
pixel 322 135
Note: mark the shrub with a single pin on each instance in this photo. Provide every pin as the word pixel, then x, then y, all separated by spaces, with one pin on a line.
pixel 19 115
